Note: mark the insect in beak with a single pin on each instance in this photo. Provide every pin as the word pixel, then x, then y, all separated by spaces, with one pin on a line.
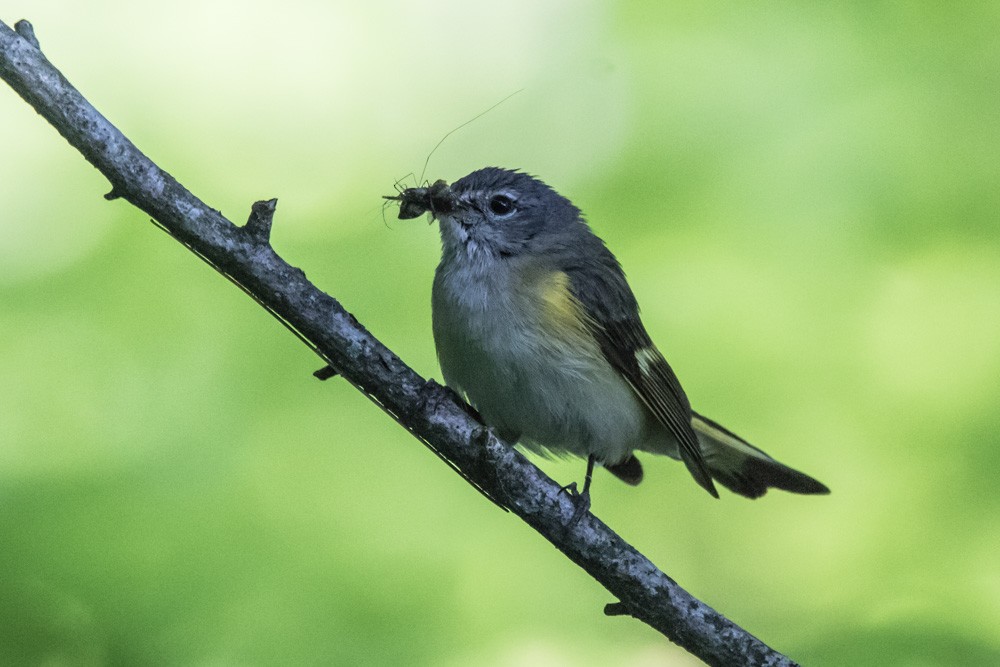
pixel 413 202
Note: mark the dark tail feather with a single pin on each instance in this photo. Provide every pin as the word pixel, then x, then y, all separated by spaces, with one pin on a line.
pixel 744 469
pixel 628 471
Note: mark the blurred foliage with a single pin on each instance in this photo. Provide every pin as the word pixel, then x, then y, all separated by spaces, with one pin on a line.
pixel 805 198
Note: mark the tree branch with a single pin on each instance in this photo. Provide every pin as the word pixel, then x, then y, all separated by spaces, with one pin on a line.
pixel 426 409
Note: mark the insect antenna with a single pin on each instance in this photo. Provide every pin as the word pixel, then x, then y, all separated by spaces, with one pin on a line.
pixel 474 118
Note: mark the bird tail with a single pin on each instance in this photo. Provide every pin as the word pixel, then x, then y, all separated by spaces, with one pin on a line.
pixel 744 469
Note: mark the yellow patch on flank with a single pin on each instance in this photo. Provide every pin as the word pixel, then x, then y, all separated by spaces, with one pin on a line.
pixel 563 314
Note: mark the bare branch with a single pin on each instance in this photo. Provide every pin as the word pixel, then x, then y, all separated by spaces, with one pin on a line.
pixel 259 223
pixel 27 31
pixel 429 411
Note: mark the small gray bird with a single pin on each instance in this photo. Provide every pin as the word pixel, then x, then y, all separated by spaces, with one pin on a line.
pixel 536 325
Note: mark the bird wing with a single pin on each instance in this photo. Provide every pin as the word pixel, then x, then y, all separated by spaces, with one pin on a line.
pixel 612 317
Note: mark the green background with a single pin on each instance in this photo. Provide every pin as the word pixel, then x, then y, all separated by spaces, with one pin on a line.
pixel 805 197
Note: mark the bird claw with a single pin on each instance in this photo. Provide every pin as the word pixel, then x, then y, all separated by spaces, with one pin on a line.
pixel 581 502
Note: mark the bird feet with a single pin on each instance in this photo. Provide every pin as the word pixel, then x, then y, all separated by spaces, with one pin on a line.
pixel 580 500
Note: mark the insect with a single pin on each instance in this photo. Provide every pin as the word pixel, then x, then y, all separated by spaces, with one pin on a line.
pixel 436 198
pixel 414 202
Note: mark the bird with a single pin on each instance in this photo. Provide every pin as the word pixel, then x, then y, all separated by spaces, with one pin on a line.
pixel 535 325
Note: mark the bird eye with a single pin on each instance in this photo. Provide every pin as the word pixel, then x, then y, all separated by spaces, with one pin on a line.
pixel 501 204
